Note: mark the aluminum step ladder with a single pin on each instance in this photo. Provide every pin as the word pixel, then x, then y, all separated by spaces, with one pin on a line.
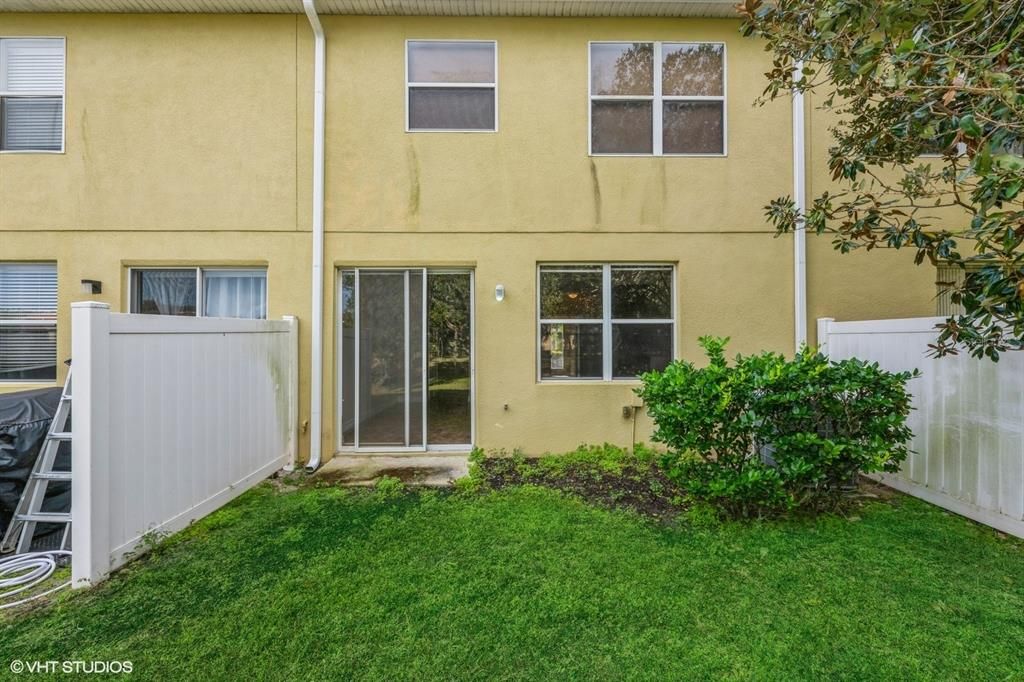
pixel 28 513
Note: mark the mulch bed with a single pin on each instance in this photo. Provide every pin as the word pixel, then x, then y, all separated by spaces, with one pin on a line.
pixel 645 490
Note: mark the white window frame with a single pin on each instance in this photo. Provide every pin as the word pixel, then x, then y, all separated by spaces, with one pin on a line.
pixel 43 93
pixel 200 274
pixel 606 321
pixel 657 99
pixel 36 323
pixel 419 84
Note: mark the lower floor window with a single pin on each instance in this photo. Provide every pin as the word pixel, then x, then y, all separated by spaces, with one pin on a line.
pixel 28 321
pixel 227 292
pixel 605 321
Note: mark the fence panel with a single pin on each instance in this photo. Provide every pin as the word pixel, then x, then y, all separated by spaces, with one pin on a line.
pixel 968 420
pixel 172 417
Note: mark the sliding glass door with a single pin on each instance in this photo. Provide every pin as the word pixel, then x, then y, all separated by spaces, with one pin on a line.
pixel 405 358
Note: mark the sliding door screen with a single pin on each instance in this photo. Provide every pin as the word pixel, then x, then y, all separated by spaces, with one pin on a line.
pixel 405 358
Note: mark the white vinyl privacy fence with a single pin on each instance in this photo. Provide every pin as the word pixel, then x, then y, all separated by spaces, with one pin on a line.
pixel 172 417
pixel 968 420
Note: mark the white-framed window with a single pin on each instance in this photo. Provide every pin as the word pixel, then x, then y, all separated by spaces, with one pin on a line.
pixel 657 98
pixel 451 86
pixel 31 94
pixel 28 322
pixel 200 292
pixel 604 321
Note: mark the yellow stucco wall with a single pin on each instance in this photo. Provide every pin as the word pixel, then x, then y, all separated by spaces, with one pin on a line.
pixel 188 142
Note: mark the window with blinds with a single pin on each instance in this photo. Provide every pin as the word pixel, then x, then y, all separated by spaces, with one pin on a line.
pixel 28 321
pixel 32 94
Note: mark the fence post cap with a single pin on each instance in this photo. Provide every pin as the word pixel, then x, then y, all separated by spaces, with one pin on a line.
pixel 90 304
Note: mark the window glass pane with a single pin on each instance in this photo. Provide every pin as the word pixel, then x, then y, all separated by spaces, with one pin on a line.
pixel 31 123
pixel 695 69
pixel 449 349
pixel 28 353
pixel 451 108
pixel 693 128
pixel 641 293
pixel 451 62
pixel 235 293
pixel 571 350
pixel 347 304
pixel 622 69
pixel 164 292
pixel 570 293
pixel 621 127
pixel 639 348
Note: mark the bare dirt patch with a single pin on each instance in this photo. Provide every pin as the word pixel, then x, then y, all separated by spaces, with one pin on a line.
pixel 642 489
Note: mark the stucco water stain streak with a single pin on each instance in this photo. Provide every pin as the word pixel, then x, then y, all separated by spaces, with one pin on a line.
pixel 652 211
pixel 413 207
pixel 597 193
pixel 92 185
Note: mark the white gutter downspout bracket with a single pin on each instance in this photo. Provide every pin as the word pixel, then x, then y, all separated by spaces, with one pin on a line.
pixel 800 202
pixel 316 365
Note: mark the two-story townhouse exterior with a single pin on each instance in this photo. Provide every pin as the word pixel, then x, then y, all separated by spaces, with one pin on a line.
pixel 524 204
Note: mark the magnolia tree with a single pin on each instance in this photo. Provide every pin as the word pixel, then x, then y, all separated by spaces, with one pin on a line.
pixel 929 104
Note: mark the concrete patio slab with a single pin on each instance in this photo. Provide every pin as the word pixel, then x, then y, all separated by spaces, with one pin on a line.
pixel 436 470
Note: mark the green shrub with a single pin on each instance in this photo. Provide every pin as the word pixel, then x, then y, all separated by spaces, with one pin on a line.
pixel 766 434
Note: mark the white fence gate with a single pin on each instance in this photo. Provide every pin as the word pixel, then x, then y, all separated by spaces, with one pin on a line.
pixel 172 417
pixel 968 421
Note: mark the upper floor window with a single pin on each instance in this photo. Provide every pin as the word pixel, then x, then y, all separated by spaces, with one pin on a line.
pixel 28 321
pixel 605 321
pixel 228 292
pixel 31 94
pixel 657 98
pixel 451 85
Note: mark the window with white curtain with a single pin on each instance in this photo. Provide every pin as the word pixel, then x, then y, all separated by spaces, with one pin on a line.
pixel 28 321
pixel 451 85
pixel 205 292
pixel 32 94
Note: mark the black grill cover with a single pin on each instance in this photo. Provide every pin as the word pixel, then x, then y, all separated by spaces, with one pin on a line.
pixel 25 417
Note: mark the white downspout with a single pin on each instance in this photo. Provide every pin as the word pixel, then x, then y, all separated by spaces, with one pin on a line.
pixel 800 200
pixel 316 378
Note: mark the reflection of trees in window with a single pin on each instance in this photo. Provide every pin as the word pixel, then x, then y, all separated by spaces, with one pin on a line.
pixel 634 71
pixel 692 69
pixel 449 316
pixel 688 98
pixel 641 293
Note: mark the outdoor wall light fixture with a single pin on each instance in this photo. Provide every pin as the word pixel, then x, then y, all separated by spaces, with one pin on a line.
pixel 499 293
pixel 91 286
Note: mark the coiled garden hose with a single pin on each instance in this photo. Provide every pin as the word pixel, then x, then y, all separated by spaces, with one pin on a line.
pixel 22 572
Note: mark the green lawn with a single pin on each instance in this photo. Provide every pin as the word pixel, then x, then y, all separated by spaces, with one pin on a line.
pixel 527 584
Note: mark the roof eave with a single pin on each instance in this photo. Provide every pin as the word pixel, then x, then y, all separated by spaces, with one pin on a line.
pixel 538 8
